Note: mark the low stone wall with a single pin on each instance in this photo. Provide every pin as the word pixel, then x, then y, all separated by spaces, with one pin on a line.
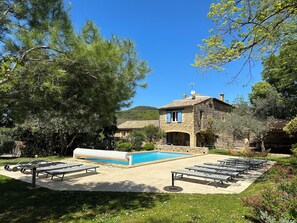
pixel 183 149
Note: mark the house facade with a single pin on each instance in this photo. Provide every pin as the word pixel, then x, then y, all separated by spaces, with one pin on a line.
pixel 186 122
pixel 128 126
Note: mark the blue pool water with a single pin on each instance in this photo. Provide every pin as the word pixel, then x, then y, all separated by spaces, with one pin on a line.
pixel 143 157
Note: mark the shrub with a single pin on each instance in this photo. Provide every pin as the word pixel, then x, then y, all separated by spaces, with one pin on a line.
pixel 123 146
pixel 148 146
pixel 7 147
pixel 294 150
pixel 278 202
pixel 136 137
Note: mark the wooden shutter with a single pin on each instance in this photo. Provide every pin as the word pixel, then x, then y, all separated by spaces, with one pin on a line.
pixel 179 116
pixel 168 117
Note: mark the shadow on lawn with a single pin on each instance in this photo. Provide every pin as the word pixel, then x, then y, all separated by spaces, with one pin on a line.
pixel 20 204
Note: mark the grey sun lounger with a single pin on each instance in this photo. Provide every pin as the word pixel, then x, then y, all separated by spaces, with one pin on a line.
pixel 71 170
pixel 20 165
pixel 40 164
pixel 214 171
pixel 243 167
pixel 175 174
pixel 233 169
pixel 56 167
pixel 250 162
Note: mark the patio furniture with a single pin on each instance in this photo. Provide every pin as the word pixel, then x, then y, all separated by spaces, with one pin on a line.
pixel 19 165
pixel 232 169
pixel 44 163
pixel 239 166
pixel 71 170
pixel 56 167
pixel 214 171
pixel 253 163
pixel 178 174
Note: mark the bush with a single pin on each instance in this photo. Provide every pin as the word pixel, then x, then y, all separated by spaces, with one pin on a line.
pixel 7 147
pixel 294 150
pixel 149 146
pixel 136 137
pixel 123 146
pixel 278 202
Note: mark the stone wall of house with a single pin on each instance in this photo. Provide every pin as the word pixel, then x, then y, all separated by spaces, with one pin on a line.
pixel 183 149
pixel 185 126
pixel 210 109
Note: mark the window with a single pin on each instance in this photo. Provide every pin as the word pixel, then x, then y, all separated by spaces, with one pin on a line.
pixel 174 116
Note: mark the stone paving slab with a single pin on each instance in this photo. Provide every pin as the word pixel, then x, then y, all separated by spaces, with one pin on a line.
pixel 149 178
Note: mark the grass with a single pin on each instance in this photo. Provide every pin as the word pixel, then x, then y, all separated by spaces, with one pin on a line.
pixel 20 204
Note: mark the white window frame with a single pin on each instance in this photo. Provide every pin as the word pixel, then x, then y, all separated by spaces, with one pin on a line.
pixel 174 116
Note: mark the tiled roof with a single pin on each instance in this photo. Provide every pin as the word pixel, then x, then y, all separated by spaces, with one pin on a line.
pixel 138 124
pixel 186 102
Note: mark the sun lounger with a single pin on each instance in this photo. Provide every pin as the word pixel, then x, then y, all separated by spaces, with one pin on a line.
pixel 40 164
pixel 250 162
pixel 20 165
pixel 214 171
pixel 175 174
pixel 71 170
pixel 56 167
pixel 234 169
pixel 243 167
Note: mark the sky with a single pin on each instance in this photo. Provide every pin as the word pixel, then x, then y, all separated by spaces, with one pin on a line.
pixel 166 34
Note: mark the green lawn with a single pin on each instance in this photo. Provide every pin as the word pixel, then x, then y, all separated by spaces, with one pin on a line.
pixel 20 204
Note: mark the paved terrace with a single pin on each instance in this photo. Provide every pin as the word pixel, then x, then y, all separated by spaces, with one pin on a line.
pixel 149 178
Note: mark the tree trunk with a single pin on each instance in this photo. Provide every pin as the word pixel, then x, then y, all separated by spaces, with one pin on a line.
pixel 72 140
pixel 262 145
pixel 62 142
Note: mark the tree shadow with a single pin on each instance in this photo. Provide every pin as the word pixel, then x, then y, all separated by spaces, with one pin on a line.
pixel 20 204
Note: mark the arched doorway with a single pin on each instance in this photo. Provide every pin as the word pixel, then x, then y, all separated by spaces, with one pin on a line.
pixel 178 138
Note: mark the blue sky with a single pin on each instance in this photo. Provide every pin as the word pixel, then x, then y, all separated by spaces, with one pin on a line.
pixel 166 34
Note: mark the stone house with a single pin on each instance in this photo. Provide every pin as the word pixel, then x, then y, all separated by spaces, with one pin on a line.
pixel 126 127
pixel 186 122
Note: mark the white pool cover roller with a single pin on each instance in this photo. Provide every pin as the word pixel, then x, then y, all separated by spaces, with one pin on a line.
pixel 103 154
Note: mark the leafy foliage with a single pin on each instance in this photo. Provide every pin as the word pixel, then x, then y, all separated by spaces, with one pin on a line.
pixel 291 127
pixel 152 133
pixel 266 100
pixel 280 71
pixel 243 120
pixel 136 138
pixel 246 29
pixel 148 146
pixel 294 150
pixel 279 202
pixel 123 146
pixel 31 31
pixel 75 89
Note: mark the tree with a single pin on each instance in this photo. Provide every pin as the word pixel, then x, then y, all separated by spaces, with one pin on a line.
pixel 280 71
pixel 78 92
pixel 291 127
pixel 246 29
pixel 136 138
pixel 152 133
pixel 266 101
pixel 28 27
pixel 242 121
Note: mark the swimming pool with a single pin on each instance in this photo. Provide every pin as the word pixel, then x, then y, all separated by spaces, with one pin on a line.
pixel 138 158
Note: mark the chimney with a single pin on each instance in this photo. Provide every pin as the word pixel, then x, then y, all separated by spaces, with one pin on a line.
pixel 193 94
pixel 184 96
pixel 222 97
